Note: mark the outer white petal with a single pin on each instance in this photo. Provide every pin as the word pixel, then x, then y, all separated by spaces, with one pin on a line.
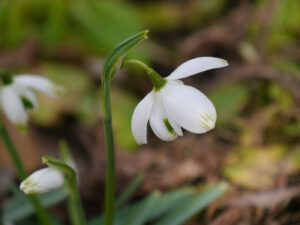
pixel 158 119
pixel 43 181
pixel 189 107
pixel 13 106
pixel 140 119
pixel 195 66
pixel 38 83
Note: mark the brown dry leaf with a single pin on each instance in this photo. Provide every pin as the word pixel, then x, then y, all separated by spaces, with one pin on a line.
pixel 265 199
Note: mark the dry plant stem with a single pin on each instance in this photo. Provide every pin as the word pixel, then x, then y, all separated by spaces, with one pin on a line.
pixel 110 154
pixel 22 174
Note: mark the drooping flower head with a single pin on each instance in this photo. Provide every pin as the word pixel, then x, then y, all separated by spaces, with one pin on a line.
pixel 52 177
pixel 171 105
pixel 43 181
pixel 17 96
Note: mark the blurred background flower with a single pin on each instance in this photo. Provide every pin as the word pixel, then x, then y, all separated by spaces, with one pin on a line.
pixel 255 145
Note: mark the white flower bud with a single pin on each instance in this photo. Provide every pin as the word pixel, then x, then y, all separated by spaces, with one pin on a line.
pixel 43 181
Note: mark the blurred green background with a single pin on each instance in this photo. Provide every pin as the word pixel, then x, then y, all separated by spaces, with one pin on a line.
pixel 257 138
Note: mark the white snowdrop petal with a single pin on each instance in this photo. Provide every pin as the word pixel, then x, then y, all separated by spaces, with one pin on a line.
pixel 38 83
pixel 140 119
pixel 51 180
pixel 189 107
pixel 13 106
pixel 195 66
pixel 43 181
pixel 159 122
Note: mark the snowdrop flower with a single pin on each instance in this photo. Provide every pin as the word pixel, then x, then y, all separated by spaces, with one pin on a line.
pixel 43 181
pixel 171 105
pixel 17 97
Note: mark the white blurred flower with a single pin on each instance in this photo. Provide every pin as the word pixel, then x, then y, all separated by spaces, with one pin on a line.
pixel 43 181
pixel 16 96
pixel 176 105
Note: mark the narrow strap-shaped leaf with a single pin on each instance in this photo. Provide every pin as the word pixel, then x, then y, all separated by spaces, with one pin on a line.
pixel 137 214
pixel 169 201
pixel 196 203
pixel 19 207
pixel 126 194
pixel 140 213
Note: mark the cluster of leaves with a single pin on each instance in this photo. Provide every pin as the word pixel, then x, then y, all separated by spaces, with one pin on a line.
pixel 171 208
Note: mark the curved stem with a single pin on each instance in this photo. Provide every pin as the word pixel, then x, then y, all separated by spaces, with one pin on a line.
pixel 157 81
pixel 74 203
pixel 22 174
pixel 112 64
pixel 110 154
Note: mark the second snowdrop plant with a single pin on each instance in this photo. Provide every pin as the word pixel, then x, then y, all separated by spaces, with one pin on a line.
pixel 17 96
pixel 172 105
pixel 169 107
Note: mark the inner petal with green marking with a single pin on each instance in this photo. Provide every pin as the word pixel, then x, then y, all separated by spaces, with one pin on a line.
pixel 27 103
pixel 169 127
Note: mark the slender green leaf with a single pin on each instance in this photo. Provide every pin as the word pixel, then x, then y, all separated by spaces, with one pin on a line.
pixel 175 206
pixel 169 201
pixel 141 212
pixel 196 203
pixel 126 194
pixel 136 214
pixel 19 207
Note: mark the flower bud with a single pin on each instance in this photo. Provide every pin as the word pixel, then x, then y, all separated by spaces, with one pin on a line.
pixel 43 181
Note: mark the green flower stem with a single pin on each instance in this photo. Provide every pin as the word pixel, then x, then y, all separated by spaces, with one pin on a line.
pixel 74 202
pixel 157 81
pixel 112 64
pixel 110 154
pixel 22 174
